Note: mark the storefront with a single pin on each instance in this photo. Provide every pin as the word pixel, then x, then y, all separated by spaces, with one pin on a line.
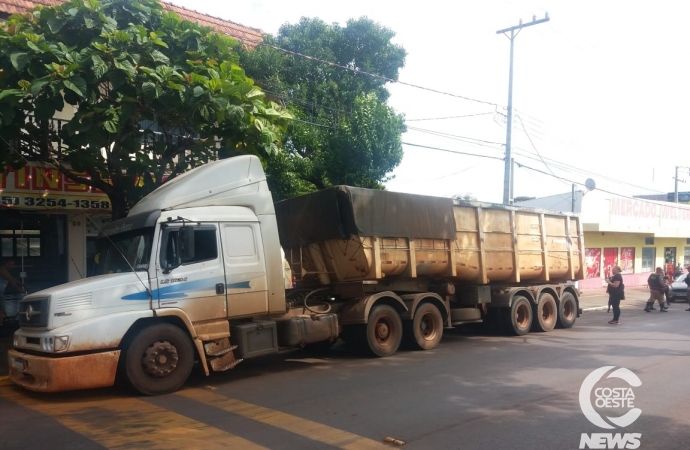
pixel 48 224
pixel 636 234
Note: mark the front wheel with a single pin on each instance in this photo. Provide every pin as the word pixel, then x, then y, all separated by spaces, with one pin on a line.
pixel 159 359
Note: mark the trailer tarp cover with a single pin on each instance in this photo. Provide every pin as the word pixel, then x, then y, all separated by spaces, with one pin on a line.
pixel 342 211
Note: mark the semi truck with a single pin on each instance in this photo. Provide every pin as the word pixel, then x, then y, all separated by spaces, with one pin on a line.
pixel 206 271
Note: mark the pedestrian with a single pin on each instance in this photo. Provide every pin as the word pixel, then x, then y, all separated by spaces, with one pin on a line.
pixel 6 279
pixel 657 288
pixel 616 290
pixel 687 281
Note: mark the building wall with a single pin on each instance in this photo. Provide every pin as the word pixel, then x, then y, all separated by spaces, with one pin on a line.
pixel 614 222
pixel 637 274
pixel 59 211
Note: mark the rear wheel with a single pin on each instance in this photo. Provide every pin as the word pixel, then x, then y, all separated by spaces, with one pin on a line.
pixel 159 359
pixel 567 310
pixel 517 319
pixel 383 332
pixel 425 330
pixel 546 313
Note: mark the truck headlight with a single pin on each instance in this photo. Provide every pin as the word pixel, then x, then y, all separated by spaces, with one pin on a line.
pixel 54 343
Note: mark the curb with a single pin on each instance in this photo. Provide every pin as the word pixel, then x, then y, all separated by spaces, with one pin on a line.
pixel 600 308
pixel 5 381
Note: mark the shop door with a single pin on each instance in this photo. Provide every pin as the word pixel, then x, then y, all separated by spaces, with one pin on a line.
pixel 610 260
pixel 670 260
pixel 36 244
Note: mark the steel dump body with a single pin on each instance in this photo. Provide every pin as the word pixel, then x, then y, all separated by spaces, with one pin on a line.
pixel 346 234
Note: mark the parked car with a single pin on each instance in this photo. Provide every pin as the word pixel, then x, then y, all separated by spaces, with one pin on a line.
pixel 678 289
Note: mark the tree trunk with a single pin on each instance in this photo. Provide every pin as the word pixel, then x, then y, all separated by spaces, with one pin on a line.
pixel 120 207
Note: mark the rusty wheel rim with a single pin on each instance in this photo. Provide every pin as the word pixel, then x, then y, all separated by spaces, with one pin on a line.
pixel 522 316
pixel 548 312
pixel 384 331
pixel 160 359
pixel 427 327
pixel 569 309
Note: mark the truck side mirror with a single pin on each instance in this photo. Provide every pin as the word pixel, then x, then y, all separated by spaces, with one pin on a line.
pixel 186 243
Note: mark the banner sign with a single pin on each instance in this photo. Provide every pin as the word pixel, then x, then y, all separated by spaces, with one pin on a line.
pixel 42 188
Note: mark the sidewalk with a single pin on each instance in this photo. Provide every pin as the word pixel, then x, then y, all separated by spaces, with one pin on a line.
pixel 634 297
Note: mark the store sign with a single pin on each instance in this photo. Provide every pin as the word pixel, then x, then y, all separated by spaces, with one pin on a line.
pixel 42 188
pixel 627 207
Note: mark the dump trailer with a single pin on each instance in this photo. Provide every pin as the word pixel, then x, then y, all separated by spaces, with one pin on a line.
pixel 207 270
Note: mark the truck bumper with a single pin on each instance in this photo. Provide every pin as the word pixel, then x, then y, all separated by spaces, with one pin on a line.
pixel 66 373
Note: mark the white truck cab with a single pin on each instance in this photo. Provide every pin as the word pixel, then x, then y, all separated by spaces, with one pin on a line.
pixel 200 250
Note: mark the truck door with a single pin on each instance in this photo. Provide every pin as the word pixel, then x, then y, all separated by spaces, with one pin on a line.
pixel 245 269
pixel 196 285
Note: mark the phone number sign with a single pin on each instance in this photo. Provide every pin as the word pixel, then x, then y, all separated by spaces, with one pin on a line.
pixel 53 202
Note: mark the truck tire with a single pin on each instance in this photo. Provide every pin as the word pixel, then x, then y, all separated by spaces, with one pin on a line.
pixel 567 310
pixel 159 359
pixel 517 319
pixel 383 332
pixel 425 330
pixel 546 313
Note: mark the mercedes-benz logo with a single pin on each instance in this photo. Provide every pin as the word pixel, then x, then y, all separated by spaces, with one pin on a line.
pixel 29 312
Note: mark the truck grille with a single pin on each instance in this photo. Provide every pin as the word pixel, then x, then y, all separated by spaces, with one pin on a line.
pixel 33 312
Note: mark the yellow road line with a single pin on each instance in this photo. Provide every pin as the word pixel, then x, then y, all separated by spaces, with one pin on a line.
pixel 128 422
pixel 297 425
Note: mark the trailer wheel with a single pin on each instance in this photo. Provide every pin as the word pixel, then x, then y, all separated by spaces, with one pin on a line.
pixel 159 359
pixel 567 311
pixel 425 330
pixel 546 312
pixel 518 318
pixel 383 331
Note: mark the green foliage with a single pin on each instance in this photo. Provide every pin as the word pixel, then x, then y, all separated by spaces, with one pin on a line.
pixel 152 95
pixel 345 133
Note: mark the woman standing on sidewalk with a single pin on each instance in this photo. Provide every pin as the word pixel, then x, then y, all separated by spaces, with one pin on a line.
pixel 616 290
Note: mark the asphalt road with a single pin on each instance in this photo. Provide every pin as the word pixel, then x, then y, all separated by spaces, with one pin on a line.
pixel 476 391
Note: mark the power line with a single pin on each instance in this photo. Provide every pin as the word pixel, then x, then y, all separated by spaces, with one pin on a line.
pixel 312 123
pixel 574 169
pixel 658 203
pixel 434 178
pixel 381 77
pixel 452 151
pixel 533 146
pixel 454 136
pixel 450 117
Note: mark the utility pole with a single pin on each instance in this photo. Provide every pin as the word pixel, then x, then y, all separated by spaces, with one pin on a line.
pixel 572 204
pixel 508 175
pixel 675 191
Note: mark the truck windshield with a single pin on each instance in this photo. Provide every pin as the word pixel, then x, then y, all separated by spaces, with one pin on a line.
pixel 134 250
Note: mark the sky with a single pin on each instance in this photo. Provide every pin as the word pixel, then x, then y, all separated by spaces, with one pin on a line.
pixel 600 91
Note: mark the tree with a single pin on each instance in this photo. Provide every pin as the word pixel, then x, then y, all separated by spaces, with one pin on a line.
pixel 344 132
pixel 154 96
